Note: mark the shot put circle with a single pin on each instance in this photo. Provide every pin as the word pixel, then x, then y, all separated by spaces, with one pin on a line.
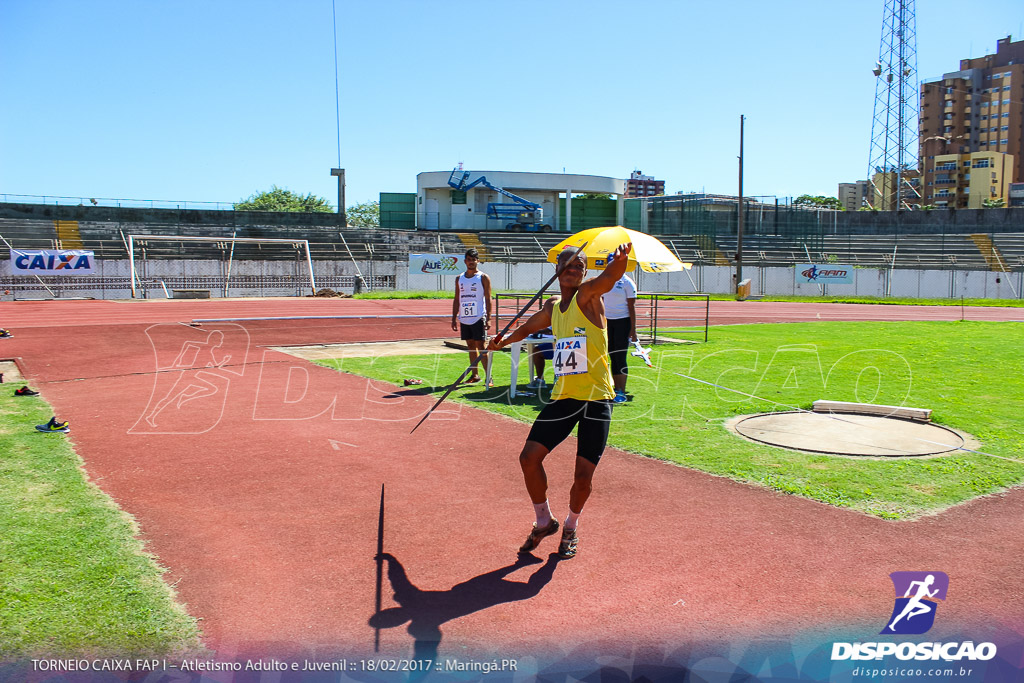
pixel 848 434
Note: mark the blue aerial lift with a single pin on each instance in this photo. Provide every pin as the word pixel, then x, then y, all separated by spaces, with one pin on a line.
pixel 522 215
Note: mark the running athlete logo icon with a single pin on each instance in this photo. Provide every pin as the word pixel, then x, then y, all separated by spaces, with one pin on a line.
pixel 193 370
pixel 917 594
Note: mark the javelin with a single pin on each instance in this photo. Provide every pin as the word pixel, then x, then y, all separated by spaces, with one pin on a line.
pixel 830 416
pixel 558 271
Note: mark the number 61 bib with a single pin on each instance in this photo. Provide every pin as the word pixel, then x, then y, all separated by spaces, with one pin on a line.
pixel 570 356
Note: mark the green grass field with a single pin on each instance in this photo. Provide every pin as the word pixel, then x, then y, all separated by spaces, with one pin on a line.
pixel 968 373
pixel 73 577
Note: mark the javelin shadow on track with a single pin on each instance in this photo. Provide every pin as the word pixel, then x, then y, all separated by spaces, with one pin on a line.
pixel 425 611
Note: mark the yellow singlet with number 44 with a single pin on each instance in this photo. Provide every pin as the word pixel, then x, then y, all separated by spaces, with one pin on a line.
pixel 580 356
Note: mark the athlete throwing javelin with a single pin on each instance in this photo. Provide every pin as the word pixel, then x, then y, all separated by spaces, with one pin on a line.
pixel 582 394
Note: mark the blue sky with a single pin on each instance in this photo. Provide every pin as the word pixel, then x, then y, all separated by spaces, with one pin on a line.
pixel 213 100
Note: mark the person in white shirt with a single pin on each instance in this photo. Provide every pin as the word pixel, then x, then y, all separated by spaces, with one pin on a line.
pixel 620 309
pixel 471 311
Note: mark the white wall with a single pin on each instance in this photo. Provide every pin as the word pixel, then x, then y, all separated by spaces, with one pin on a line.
pixel 520 277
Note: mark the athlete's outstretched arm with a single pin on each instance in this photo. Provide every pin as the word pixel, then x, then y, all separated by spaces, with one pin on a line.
pixel 604 282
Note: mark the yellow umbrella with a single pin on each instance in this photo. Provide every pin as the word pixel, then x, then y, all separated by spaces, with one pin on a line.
pixel 648 252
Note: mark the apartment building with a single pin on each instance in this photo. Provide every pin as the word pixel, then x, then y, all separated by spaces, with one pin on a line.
pixel 979 108
pixel 966 181
pixel 853 196
pixel 640 185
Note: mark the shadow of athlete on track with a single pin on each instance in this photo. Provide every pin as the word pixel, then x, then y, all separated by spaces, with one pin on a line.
pixel 427 610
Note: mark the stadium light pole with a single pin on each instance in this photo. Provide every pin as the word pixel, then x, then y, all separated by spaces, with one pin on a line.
pixel 739 218
pixel 340 172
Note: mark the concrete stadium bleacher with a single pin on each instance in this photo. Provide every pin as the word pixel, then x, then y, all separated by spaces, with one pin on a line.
pixel 939 252
pixel 520 248
pixel 977 251
pixel 1011 248
pixel 107 240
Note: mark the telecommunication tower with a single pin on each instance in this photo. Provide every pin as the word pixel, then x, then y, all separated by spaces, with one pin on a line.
pixel 893 163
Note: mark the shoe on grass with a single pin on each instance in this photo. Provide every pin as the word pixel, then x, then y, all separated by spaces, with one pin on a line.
pixel 25 391
pixel 538 535
pixel 54 426
pixel 620 396
pixel 567 548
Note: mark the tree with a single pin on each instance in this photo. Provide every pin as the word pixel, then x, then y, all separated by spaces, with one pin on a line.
pixel 365 215
pixel 819 201
pixel 279 199
pixel 593 195
pixel 994 203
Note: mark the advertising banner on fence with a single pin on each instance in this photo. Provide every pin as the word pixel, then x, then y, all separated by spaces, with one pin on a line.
pixel 51 262
pixel 827 274
pixel 434 264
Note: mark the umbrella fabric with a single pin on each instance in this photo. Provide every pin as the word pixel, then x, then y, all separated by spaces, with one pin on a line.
pixel 648 252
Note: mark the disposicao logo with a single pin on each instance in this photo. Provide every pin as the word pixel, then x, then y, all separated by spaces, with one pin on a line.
pixel 917 596
pixel 913 612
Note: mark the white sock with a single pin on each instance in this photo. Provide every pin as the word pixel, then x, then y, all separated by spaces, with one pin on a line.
pixel 543 514
pixel 573 520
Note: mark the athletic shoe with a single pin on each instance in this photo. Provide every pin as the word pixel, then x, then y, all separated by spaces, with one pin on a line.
pixel 620 397
pixel 567 548
pixel 54 426
pixel 538 535
pixel 5 333
pixel 25 391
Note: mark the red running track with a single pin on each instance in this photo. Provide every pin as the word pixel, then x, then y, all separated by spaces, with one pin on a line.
pixel 259 484
pixel 94 312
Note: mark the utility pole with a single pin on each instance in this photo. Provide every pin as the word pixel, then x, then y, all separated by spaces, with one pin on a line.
pixel 739 218
pixel 340 172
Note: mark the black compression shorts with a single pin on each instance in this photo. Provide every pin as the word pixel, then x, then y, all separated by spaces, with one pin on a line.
pixel 557 419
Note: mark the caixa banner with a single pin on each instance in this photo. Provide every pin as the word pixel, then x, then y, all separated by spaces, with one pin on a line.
pixel 828 274
pixel 434 264
pixel 51 262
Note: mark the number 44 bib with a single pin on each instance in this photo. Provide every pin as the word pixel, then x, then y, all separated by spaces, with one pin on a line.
pixel 570 356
